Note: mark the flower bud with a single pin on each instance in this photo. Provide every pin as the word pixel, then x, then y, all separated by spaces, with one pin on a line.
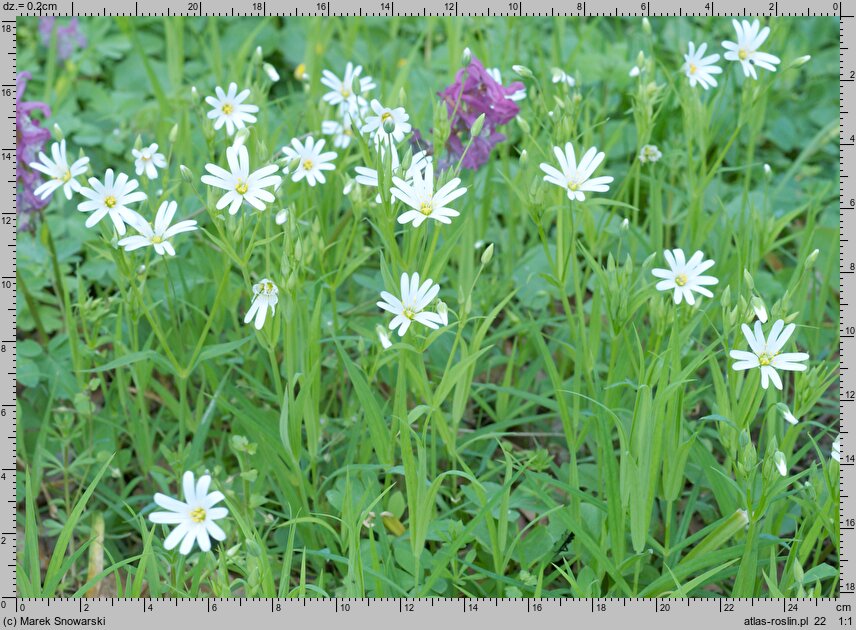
pixel 725 298
pixel 524 157
pixel 173 134
pixel 625 224
pixel 523 71
pixel 646 26
pixel 402 97
pixel 258 55
pixel 389 125
pixel 789 417
pixel 635 71
pixel 383 336
pixel 801 61
pixel 138 143
pixel 443 312
pixel 141 270
pixel 640 59
pixel 241 137
pixel 759 308
pixel 811 259
pixel 768 171
pixel 747 277
pixel 524 125
pixel 477 127
pixel 186 173
pixel 487 254
pixel 781 463
pixel 271 72
pixel 281 217
pixel 194 94
pixel 57 132
pixel 466 57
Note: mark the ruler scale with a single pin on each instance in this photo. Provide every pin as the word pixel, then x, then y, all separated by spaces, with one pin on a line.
pixel 215 613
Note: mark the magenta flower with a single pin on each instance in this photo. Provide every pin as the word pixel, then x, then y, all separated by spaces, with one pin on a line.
pixel 68 37
pixel 474 93
pixel 31 139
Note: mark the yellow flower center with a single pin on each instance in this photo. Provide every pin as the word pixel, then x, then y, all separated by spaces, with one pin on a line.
pixel 307 165
pixel 765 359
pixel 742 54
pixel 145 157
pixel 242 187
pixel 408 313
pixel 157 239
pixel 385 116
pixel 197 515
pixel 268 287
pixel 346 93
pixel 573 186
pixel 299 71
pixel 110 201
pixel 426 208
pixel 65 177
pixel 693 68
pixel 228 109
pixel 681 280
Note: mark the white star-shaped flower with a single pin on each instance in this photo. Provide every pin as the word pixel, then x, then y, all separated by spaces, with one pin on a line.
pixel 228 108
pixel 368 176
pixel 684 276
pixel 496 75
pixel 159 235
pixel 342 93
pixel 148 160
pixel 265 298
pixel 576 179
pixel 700 69
pixel 424 202
pixel 766 353
pixel 386 122
pixel 240 184
pixel 194 517
pixel 311 162
pixel 61 174
pixel 111 198
pixel 411 307
pixel 745 50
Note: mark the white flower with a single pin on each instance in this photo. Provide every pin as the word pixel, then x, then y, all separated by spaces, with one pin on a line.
pixel 311 162
pixel 265 297
pixel 383 336
pixel 519 95
pixel 342 93
pixel 240 184
pixel 387 122
pixel 411 307
pixel 573 177
pixel 60 173
pixel 635 71
pixel 368 176
pixel 700 69
pixel 650 153
pixel 684 276
pixel 423 201
pixel 749 40
pixel 194 517
pixel 781 463
pixel 162 232
pixel 766 353
pixel 281 217
pixel 836 449
pixel 112 197
pixel 560 76
pixel 342 133
pixel 229 108
pixel 149 160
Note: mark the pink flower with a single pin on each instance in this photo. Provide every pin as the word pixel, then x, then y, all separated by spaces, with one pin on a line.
pixel 31 139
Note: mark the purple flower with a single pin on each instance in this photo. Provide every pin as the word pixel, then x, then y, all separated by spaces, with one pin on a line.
pixel 31 139
pixel 68 37
pixel 474 93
